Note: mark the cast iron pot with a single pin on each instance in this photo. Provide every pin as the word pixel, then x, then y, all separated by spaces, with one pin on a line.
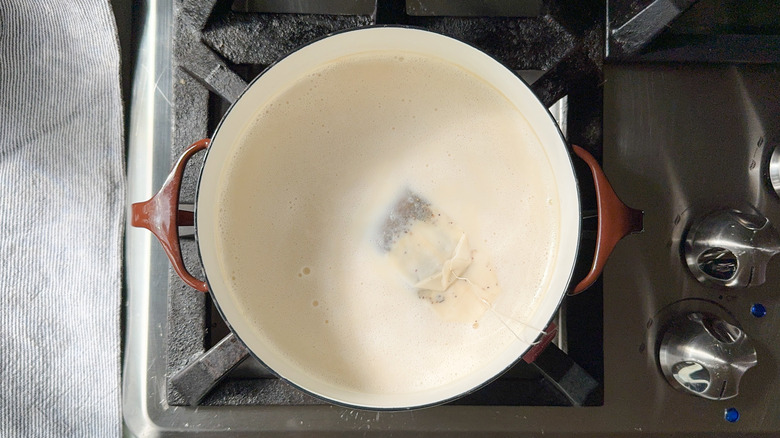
pixel 162 217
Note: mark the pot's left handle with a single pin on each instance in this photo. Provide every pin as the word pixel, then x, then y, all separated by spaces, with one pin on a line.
pixel 162 217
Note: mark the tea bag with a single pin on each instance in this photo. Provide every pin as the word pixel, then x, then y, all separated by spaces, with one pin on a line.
pixel 433 255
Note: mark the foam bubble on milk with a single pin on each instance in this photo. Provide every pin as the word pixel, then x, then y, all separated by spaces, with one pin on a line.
pixel 316 175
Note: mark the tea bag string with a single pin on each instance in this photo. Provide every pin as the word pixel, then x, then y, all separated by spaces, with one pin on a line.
pixel 499 316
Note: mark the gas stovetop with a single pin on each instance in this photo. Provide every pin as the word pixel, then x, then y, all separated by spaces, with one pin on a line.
pixel 667 145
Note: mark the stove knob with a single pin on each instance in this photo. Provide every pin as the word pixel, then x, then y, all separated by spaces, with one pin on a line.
pixel 774 170
pixel 731 248
pixel 706 356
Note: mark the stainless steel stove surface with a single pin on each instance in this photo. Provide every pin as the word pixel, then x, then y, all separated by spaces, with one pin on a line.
pixel 683 141
pixel 677 141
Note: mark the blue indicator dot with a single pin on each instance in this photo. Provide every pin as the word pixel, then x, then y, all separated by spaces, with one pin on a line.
pixel 758 310
pixel 731 415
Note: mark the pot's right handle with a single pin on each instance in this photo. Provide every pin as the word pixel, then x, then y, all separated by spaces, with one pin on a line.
pixel 615 220
pixel 162 217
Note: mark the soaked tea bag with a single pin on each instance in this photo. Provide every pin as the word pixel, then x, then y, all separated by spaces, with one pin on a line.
pixel 432 253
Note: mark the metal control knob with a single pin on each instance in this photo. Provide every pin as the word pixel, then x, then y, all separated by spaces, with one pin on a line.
pixel 706 356
pixel 731 248
pixel 773 171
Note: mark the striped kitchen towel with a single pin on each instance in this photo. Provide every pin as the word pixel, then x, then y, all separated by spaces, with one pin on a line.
pixel 61 216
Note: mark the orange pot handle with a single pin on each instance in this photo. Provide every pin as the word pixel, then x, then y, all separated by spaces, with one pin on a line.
pixel 615 220
pixel 161 216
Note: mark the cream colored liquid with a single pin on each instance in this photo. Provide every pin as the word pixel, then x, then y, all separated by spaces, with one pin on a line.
pixel 311 184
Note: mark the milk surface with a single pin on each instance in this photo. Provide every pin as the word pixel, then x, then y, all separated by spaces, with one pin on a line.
pixel 310 185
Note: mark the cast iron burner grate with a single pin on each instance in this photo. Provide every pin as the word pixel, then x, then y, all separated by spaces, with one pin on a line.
pixel 219 48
